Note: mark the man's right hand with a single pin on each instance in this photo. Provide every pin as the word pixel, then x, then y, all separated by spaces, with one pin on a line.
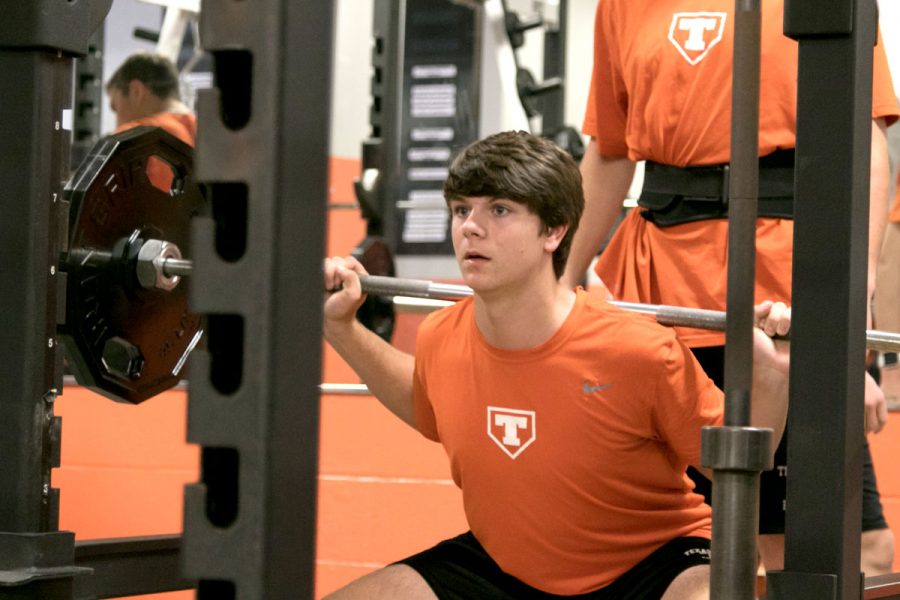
pixel 343 293
pixel 890 383
pixel 876 414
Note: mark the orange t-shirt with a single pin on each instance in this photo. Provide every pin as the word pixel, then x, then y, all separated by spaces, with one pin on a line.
pixel 660 91
pixel 181 125
pixel 570 455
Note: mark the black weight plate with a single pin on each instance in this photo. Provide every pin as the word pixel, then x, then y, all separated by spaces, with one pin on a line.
pixel 133 186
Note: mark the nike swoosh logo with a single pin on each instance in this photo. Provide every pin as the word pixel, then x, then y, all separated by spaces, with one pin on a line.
pixel 590 389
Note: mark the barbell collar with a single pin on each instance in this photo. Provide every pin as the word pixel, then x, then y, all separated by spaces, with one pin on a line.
pixel 736 448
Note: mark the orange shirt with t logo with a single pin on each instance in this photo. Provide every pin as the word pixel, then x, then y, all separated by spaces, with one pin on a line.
pixel 661 91
pixel 570 455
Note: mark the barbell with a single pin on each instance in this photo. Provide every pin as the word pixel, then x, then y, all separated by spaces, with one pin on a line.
pixel 403 289
pixel 128 330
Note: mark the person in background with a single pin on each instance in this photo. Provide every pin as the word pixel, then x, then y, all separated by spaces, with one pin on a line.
pixel 661 92
pixel 887 298
pixel 144 91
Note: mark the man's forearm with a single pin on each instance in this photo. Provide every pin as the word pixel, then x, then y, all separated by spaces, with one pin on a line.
pixel 887 295
pixel 387 371
pixel 606 181
pixel 770 402
pixel 879 189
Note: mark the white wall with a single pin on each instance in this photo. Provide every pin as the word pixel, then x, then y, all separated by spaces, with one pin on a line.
pixel 119 42
pixel 889 18
pixel 350 111
pixel 352 77
pixel 352 60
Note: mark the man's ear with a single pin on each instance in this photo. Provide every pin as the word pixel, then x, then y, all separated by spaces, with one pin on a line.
pixel 554 236
pixel 137 89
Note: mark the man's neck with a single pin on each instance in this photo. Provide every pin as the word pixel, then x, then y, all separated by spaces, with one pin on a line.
pixel 173 105
pixel 524 320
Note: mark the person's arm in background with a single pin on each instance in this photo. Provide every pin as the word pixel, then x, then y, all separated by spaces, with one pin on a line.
pixel 771 368
pixel 606 180
pixel 887 301
pixel 879 187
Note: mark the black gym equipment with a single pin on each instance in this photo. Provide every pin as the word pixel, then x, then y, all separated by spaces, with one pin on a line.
pixel 128 331
pixel 736 452
pixel 831 208
pixel 38 41
pixel 249 522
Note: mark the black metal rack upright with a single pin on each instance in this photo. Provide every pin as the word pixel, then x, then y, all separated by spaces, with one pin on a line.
pixel 831 209
pixel 262 151
pixel 38 43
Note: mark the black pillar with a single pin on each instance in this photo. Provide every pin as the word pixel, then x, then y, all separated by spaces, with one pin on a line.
pixel 254 402
pixel 38 42
pixel 825 431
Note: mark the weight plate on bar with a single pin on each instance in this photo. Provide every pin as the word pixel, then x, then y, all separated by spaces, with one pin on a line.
pixel 123 340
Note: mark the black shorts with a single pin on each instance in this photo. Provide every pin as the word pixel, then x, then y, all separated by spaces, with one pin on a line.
pixel 460 569
pixel 773 483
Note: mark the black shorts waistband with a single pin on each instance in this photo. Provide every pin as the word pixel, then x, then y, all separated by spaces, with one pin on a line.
pixel 674 195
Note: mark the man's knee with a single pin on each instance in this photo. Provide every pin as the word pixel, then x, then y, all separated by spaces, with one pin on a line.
pixel 771 551
pixel 394 581
pixel 877 552
pixel 691 584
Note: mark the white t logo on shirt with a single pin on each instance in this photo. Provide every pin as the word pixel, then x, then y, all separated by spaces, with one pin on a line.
pixel 513 430
pixel 695 33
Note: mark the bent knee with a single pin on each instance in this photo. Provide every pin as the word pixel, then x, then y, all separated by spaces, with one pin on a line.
pixel 690 584
pixel 393 581
pixel 877 552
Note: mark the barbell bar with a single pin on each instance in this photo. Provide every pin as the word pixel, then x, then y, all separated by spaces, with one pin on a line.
pixel 128 328
pixel 423 289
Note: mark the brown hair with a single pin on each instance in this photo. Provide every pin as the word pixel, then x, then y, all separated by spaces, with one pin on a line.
pixel 153 70
pixel 527 169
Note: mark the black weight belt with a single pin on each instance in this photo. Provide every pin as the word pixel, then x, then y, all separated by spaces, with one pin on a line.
pixel 675 195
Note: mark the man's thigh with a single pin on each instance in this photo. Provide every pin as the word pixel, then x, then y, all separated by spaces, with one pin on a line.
pixel 692 584
pixel 393 581
pixel 876 551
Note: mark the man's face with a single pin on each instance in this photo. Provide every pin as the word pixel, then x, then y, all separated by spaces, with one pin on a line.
pixel 500 244
pixel 124 105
